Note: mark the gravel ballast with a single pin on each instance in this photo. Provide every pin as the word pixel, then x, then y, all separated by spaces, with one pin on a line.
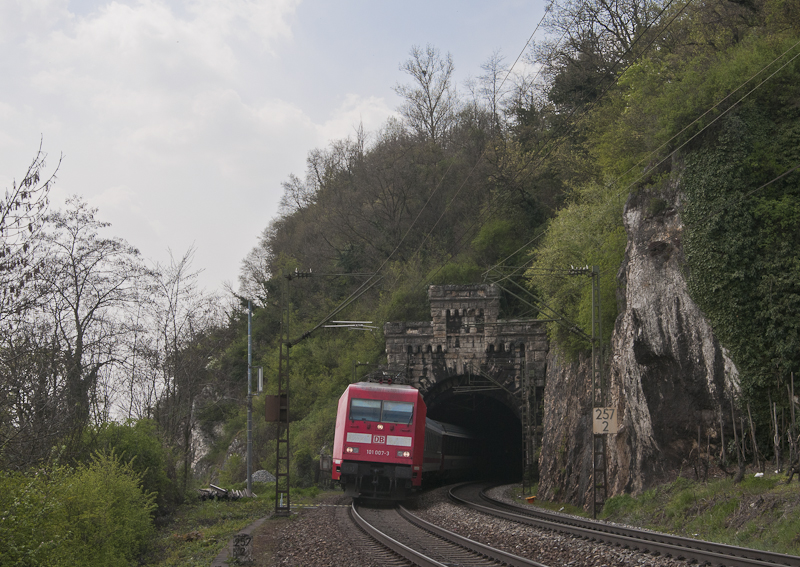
pixel 324 535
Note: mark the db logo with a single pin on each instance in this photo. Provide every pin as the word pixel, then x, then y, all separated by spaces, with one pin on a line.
pixel 379 439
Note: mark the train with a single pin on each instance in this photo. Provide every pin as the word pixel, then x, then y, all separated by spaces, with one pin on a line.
pixel 386 447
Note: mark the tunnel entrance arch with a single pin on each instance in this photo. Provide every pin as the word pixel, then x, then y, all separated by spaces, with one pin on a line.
pixel 489 410
pixel 467 355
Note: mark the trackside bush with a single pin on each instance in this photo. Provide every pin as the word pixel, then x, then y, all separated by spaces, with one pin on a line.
pixel 27 510
pixel 95 515
pixel 138 444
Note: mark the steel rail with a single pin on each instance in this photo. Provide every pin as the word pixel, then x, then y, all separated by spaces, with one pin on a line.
pixel 641 540
pixel 472 545
pixel 491 554
pixel 680 541
pixel 404 551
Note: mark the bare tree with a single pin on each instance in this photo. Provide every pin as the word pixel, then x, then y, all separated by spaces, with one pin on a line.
pixel 431 103
pixel 89 281
pixel 254 276
pixel 31 392
pixel 22 213
pixel 589 44
pixel 30 416
pixel 183 317
pixel 491 89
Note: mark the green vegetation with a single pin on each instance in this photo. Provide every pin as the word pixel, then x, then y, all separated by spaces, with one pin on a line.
pixel 137 444
pixel 692 109
pixel 95 514
pixel 586 232
pixel 761 513
pixel 199 531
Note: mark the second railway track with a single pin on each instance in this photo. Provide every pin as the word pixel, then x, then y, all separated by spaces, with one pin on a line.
pixel 694 551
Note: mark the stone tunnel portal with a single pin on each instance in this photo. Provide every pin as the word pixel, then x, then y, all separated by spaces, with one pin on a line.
pixel 487 411
pixel 476 370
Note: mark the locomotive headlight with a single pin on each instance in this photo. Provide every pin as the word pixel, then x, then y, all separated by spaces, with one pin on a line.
pixel 379 426
pixel 403 453
pixel 351 450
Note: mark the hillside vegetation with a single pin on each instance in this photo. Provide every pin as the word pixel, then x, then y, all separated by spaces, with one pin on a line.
pixel 759 512
pixel 521 178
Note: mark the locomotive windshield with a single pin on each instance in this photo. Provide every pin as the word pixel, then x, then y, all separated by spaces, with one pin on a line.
pixel 397 412
pixel 388 412
pixel 365 410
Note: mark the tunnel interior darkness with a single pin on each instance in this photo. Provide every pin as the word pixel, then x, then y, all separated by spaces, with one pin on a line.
pixel 490 419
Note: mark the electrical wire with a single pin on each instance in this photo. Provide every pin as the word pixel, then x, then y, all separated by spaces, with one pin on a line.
pixel 591 105
pixel 721 208
pixel 585 110
pixel 723 113
pixel 555 139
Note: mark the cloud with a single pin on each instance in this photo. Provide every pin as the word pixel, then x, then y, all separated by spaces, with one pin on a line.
pixel 148 45
pixel 371 111
pixel 30 18
pixel 177 120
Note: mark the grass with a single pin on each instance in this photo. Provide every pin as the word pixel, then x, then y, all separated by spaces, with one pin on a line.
pixel 200 530
pixel 761 513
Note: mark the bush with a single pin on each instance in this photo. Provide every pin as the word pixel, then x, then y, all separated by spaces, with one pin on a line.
pixel 27 507
pixel 96 514
pixel 138 444
pixel 105 514
pixel 234 470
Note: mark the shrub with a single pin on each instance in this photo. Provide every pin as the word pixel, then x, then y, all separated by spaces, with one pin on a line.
pixel 27 507
pixel 138 444
pixel 95 515
pixel 105 516
pixel 234 470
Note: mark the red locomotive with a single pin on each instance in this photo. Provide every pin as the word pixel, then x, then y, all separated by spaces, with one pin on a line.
pixel 384 444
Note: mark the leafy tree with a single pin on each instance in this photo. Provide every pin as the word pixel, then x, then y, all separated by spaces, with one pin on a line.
pixel 587 232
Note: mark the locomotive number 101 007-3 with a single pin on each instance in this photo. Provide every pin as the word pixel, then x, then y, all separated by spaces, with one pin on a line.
pixel 377 453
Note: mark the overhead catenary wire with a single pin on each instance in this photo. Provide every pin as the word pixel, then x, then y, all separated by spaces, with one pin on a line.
pixel 697 119
pixel 557 134
pixel 438 186
pixel 721 114
pixel 508 73
pixel 742 198
pixel 561 134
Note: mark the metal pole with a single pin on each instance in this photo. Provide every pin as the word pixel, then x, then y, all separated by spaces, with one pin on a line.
pixel 249 399
pixel 598 397
pixel 282 504
pixel 594 387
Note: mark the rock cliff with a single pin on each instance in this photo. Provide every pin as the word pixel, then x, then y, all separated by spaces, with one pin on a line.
pixel 667 373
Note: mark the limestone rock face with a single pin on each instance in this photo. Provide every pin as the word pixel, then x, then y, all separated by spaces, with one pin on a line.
pixel 565 463
pixel 668 375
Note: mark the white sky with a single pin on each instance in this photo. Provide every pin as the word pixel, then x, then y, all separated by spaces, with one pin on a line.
pixel 180 119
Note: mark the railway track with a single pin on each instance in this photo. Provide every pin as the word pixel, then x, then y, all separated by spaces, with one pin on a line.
pixel 426 545
pixel 702 552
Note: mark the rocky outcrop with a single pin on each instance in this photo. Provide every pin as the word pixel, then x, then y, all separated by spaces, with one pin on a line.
pixel 565 463
pixel 668 375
